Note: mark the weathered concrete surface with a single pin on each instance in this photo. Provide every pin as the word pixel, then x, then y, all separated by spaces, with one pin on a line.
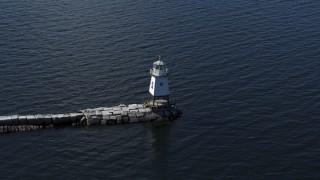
pixel 120 114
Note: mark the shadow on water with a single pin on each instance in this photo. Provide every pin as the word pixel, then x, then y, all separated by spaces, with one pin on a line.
pixel 158 137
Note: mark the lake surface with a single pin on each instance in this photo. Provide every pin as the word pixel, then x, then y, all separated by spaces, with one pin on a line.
pixel 245 73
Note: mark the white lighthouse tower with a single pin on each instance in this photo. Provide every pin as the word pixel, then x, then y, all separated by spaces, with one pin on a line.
pixel 159 85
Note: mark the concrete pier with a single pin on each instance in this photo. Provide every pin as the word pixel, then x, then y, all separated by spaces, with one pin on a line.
pixel 121 114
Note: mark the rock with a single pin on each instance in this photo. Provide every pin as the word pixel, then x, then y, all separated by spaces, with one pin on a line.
pixel 39 120
pixel 15 120
pixel 83 120
pixel 117 108
pixel 23 120
pixel 159 119
pixel 99 109
pixel 134 120
pixel 113 120
pixel 151 117
pixel 93 120
pixel 125 119
pixel 104 122
pixel 119 119
pixel 116 112
pixel 61 119
pixel 106 113
pixel 124 113
pixel 143 119
pixel 139 114
pixel 31 119
pixel 76 117
pixel 143 110
pixel 47 120
pixel 98 114
pixel 5 121
pixel 105 117
pixel 132 106
pixel 140 106
pixel 111 112
pixel 132 117
pixel 107 109
pixel 125 109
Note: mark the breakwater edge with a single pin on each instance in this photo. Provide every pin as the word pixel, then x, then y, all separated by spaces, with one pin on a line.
pixel 158 107
pixel 121 114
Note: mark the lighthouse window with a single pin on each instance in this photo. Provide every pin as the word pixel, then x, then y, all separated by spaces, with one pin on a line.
pixel 161 84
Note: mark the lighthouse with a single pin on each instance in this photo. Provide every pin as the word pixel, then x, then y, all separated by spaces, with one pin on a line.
pixel 159 85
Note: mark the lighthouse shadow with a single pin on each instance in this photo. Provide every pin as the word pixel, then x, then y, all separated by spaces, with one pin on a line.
pixel 158 137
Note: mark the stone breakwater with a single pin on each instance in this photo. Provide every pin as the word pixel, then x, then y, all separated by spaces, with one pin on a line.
pixel 122 114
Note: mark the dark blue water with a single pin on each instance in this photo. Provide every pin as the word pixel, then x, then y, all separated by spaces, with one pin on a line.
pixel 245 73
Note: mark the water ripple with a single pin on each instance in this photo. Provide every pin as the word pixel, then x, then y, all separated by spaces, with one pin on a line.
pixel 245 74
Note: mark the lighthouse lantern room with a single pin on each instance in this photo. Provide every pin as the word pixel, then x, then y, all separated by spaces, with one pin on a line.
pixel 159 85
